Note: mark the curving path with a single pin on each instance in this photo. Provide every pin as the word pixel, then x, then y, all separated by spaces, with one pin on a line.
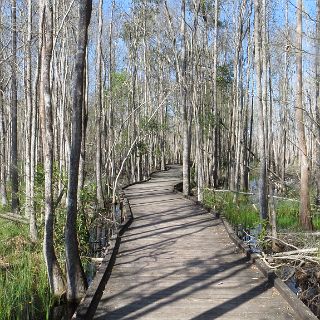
pixel 177 262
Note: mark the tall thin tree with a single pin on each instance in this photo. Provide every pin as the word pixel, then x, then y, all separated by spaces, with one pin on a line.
pixel 56 279
pixel 29 167
pixel 184 107
pixel 317 97
pixel 305 214
pixel 263 200
pixel 76 280
pixel 100 201
pixel 14 111
pixel 3 170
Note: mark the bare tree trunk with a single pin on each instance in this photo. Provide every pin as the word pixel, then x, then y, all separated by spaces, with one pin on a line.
pixel 56 280
pixel 82 161
pixel 3 175
pixel 111 152
pixel 3 178
pixel 30 209
pixel 100 201
pixel 317 68
pixel 263 57
pixel 76 280
pixel 163 114
pixel 185 120
pixel 238 101
pixel 246 129
pixel 286 103
pixel 263 200
pixel 273 219
pixel 14 108
pixel 305 214
pixel 215 154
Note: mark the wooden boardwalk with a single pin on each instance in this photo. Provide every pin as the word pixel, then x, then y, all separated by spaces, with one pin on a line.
pixel 177 262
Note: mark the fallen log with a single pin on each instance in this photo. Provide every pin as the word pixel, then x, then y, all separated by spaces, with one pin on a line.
pixel 14 217
pixel 296 252
pixel 282 242
pixel 297 258
pixel 306 233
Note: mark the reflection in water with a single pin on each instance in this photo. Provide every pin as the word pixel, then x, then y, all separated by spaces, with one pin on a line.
pixel 63 311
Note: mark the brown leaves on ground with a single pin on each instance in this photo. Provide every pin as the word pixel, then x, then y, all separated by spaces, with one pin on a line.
pixel 4 264
pixel 19 243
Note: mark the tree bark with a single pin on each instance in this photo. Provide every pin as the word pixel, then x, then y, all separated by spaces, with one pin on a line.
pixel 3 170
pixel 82 161
pixel 100 198
pixel 263 199
pixel 14 109
pixel 317 97
pixel 30 208
pixel 285 126
pixel 185 119
pixel 111 116
pixel 56 280
pixel 76 280
pixel 305 214
pixel 215 160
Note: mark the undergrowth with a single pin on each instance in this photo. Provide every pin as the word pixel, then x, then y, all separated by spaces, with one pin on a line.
pixel 24 288
pixel 287 213
pixel 288 216
pixel 240 210
pixel 24 291
pixel 316 222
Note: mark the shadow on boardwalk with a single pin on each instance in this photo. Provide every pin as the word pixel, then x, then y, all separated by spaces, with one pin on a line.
pixel 177 262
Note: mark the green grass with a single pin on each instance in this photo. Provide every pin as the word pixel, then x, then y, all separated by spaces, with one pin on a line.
pixel 316 222
pixel 287 215
pixel 242 211
pixel 239 212
pixel 24 291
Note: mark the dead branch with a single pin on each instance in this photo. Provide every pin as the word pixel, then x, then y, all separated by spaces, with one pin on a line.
pixel 14 217
pixel 283 242
pixel 294 252
pixel 298 258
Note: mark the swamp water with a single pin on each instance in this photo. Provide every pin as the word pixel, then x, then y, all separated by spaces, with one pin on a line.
pixel 99 238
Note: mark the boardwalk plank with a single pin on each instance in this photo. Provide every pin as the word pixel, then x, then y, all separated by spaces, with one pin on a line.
pixel 177 262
